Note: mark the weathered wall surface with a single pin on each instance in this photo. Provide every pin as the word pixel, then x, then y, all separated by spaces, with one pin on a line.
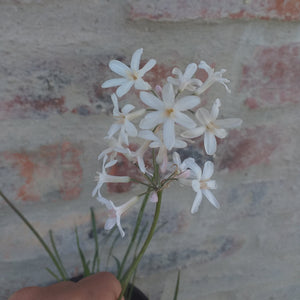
pixel 54 115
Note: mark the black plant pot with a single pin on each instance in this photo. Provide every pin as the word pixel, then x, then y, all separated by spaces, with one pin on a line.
pixel 131 293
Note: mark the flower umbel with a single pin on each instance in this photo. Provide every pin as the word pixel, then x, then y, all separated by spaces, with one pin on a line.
pixel 130 76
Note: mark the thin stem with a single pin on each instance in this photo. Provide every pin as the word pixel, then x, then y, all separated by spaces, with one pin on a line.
pixel 37 235
pixel 125 279
pixel 138 222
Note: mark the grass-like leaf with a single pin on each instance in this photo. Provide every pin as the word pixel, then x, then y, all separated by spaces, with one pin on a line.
pixel 177 286
pixel 85 264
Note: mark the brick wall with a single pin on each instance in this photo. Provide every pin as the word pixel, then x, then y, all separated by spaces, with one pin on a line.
pixel 54 115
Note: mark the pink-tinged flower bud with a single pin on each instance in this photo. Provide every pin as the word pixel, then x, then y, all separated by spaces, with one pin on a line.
pixel 185 174
pixel 153 197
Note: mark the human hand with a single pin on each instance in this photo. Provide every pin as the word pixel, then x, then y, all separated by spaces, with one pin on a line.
pixel 100 286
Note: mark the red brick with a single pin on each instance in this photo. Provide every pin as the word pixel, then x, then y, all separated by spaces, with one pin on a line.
pixel 181 10
pixel 272 78
pixel 22 107
pixel 50 169
pixel 246 147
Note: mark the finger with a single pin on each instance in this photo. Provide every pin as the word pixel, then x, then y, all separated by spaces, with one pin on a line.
pixel 101 286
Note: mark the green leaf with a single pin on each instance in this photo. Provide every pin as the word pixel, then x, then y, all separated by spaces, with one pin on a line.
pixel 177 286
pixel 96 259
pixel 85 265
pixel 56 254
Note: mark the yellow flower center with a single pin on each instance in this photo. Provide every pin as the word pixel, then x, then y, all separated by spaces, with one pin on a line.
pixel 133 75
pixel 169 111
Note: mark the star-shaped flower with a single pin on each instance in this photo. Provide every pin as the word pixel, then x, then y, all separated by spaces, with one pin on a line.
pixel 115 212
pixel 123 119
pixel 168 112
pixel 103 177
pixel 185 80
pixel 130 76
pixel 211 127
pixel 212 78
pixel 202 184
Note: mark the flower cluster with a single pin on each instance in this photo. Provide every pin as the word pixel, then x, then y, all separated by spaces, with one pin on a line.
pixel 171 116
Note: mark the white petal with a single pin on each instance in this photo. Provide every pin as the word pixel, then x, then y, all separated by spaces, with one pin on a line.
pixel 127 109
pixel 119 68
pixel 211 184
pixel 110 223
pixel 176 159
pixel 147 135
pixel 124 88
pixel 190 71
pixel 205 66
pixel 220 133
pixel 184 120
pixel 136 58
pixel 180 144
pixel 196 186
pixel 151 120
pixel 177 71
pixel 130 128
pixel 148 66
pixel 113 82
pixel 113 129
pixel 208 170
pixel 155 144
pixel 211 198
pixel 151 100
pixel 187 102
pixel 229 123
pixel 196 202
pixel 173 81
pixel 215 109
pixel 168 94
pixel 210 143
pixel 191 164
pixel 110 163
pixel 203 116
pixel 169 134
pixel 141 164
pixel 192 133
pixel 120 227
pixel 115 101
pixel 140 84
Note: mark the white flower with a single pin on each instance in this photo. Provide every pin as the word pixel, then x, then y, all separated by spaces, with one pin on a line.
pixel 115 147
pixel 211 127
pixel 162 155
pixel 168 112
pixel 185 81
pixel 131 76
pixel 123 119
pixel 202 184
pixel 212 78
pixel 115 212
pixel 181 167
pixel 103 177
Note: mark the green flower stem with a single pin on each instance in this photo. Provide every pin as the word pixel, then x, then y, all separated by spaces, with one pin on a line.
pixel 138 222
pixel 36 234
pixel 125 279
